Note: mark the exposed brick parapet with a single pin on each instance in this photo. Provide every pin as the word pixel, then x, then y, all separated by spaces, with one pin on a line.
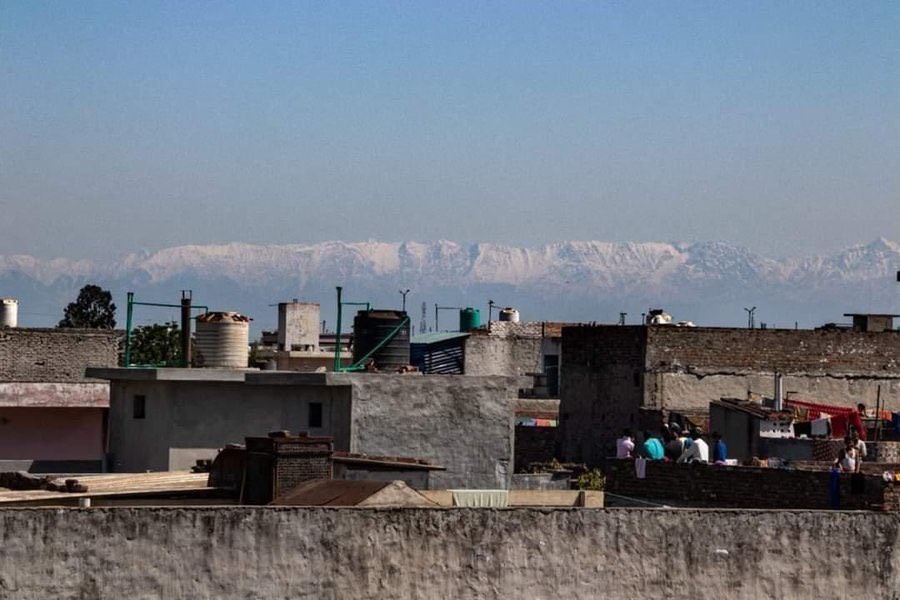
pixel 55 355
pixel 742 487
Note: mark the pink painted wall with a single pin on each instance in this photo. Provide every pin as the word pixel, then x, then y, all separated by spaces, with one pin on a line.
pixel 51 433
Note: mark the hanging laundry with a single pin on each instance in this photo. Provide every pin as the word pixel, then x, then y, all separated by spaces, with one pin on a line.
pixel 640 468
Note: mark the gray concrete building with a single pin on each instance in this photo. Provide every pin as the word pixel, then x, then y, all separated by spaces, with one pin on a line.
pixel 166 419
pixel 633 376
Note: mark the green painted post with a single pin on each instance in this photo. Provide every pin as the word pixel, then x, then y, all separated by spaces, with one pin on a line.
pixel 128 313
pixel 337 336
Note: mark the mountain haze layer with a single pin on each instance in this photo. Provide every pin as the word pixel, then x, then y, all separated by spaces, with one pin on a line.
pixel 709 283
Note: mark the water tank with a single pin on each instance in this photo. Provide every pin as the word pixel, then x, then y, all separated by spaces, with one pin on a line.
pixel 509 314
pixel 9 312
pixel 469 318
pixel 222 340
pixel 371 327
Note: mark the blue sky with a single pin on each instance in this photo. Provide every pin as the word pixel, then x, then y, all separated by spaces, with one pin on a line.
pixel 139 125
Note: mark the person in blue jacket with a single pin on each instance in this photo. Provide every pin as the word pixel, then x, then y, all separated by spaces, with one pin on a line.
pixel 720 450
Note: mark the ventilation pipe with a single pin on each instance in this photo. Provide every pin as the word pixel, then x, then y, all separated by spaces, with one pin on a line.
pixel 779 391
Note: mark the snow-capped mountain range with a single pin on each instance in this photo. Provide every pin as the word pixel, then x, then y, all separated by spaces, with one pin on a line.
pixel 709 283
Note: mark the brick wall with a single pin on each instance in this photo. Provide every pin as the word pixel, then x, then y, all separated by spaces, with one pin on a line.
pixel 739 487
pixel 786 350
pixel 611 374
pixel 296 462
pixel 55 355
pixel 601 389
pixel 276 465
pixel 533 445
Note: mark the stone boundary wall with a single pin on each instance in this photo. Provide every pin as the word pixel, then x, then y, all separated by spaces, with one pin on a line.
pixel 52 355
pixel 541 554
pixel 741 487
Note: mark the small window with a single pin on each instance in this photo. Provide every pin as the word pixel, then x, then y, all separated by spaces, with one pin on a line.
pixel 315 415
pixel 139 407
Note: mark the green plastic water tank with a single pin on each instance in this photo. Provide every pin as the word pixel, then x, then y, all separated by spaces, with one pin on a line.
pixel 469 318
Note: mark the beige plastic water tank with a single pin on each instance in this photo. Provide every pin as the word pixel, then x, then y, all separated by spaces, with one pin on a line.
pixel 509 314
pixel 9 312
pixel 222 340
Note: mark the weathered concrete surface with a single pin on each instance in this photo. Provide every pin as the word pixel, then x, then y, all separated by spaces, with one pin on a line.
pixel 187 420
pixel 696 390
pixel 446 553
pixel 463 423
pixel 60 395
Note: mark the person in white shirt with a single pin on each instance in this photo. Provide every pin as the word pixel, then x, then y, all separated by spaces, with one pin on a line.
pixel 859 444
pixel 698 451
pixel 625 445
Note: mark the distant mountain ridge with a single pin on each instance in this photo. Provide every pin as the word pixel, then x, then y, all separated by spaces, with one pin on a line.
pixel 576 280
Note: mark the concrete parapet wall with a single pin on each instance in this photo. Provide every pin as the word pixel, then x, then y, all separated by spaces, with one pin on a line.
pixel 446 553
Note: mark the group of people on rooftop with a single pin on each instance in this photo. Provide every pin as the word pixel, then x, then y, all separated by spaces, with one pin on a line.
pixel 673 444
pixel 676 445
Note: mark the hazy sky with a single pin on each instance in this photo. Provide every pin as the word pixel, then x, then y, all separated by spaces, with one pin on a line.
pixel 130 125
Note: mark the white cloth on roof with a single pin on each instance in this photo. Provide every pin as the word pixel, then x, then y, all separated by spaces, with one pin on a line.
pixel 481 498
pixel 640 468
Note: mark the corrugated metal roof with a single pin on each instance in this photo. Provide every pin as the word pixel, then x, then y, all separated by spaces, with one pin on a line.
pixel 330 492
pixel 439 336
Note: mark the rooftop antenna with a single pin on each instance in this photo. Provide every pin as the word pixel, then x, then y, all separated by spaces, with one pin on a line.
pixel 622 316
pixel 439 308
pixel 491 306
pixel 751 321
pixel 404 293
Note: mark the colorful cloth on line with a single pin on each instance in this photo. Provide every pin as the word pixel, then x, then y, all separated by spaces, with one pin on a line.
pixel 841 417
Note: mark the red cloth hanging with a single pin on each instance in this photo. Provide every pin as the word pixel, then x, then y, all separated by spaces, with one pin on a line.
pixel 841 417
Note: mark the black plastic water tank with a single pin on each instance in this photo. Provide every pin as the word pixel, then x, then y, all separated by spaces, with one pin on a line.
pixel 371 327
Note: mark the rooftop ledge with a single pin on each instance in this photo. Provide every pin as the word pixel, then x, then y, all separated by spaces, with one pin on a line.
pixel 247 376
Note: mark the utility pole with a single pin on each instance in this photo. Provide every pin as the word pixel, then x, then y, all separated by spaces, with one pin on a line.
pixel 423 324
pixel 404 293
pixel 751 322
pixel 186 296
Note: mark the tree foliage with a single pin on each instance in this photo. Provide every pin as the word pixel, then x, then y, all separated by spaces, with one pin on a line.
pixel 93 309
pixel 156 345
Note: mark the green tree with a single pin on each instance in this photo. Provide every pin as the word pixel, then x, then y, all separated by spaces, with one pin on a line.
pixel 156 345
pixel 93 309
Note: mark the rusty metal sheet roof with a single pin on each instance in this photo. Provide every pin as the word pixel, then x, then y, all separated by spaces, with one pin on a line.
pixel 330 492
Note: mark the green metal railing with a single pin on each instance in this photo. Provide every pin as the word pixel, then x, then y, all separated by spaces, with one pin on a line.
pixel 129 319
pixel 360 364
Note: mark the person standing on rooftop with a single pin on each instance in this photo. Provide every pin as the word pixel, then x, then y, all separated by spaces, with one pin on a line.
pixel 625 445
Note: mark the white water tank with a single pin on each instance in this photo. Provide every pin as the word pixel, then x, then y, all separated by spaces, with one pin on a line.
pixel 222 340
pixel 9 312
pixel 509 314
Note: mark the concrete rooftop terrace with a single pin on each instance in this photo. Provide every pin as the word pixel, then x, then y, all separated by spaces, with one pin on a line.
pixel 247 376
